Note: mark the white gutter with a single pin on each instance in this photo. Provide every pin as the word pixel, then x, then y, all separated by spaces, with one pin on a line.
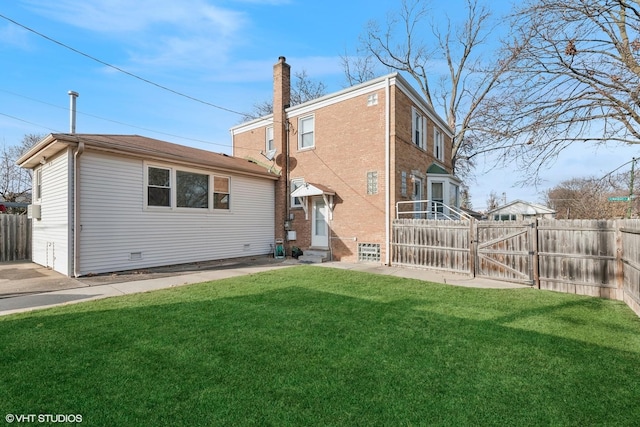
pixel 387 172
pixel 76 209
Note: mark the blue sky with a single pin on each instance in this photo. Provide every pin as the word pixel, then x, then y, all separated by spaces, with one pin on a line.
pixel 217 51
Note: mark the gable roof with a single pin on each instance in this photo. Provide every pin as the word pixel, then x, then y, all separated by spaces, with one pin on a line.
pixel 142 147
pixel 392 79
pixel 522 207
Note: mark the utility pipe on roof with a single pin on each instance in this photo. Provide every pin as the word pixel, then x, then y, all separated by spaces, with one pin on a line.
pixel 72 111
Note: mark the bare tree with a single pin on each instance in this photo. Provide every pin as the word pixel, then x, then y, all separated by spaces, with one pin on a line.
pixel 469 76
pixel 588 198
pixel 303 89
pixel 15 182
pixel 493 201
pixel 359 68
pixel 577 80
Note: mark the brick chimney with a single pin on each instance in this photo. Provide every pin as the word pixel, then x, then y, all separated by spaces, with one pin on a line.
pixel 281 101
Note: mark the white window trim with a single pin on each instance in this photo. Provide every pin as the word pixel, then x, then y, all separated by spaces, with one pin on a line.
pixel 173 202
pixel 447 182
pixel 37 184
pixel 421 126
pixel 300 119
pixel 212 178
pixel 268 136
pixel 172 189
pixel 294 181
pixel 438 144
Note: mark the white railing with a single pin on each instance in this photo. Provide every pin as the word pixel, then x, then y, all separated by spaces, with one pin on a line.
pixel 430 209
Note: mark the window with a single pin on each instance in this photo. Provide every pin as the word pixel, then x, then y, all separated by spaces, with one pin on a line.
pixel 418 124
pixel 454 195
pixel 505 217
pixel 172 188
pixel 305 133
pixel 192 190
pixel 220 192
pixel 369 252
pixel 438 145
pixel 38 185
pixel 269 143
pixel 159 187
pixel 296 202
pixel 372 99
pixel 372 182
pixel 437 197
pixel 403 184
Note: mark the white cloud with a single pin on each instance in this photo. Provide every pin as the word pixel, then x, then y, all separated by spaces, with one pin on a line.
pixel 163 33
pixel 14 36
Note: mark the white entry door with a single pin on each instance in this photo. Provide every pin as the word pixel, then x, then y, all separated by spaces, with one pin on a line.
pixel 319 225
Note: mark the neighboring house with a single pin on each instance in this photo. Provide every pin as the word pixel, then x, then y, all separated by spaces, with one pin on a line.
pixel 519 210
pixel 104 203
pixel 347 159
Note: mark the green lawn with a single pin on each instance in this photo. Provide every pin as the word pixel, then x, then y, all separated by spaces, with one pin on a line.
pixel 316 346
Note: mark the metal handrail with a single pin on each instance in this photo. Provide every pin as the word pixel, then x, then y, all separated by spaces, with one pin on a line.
pixel 437 211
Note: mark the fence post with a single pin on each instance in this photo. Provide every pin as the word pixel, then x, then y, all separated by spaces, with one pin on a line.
pixel 619 265
pixel 473 243
pixel 535 261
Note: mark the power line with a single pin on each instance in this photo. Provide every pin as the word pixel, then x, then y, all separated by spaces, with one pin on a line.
pixel 109 120
pixel 30 123
pixel 120 69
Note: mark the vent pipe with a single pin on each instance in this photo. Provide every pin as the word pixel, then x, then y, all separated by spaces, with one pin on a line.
pixel 72 111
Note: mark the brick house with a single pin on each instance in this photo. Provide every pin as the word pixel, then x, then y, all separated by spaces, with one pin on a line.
pixel 345 161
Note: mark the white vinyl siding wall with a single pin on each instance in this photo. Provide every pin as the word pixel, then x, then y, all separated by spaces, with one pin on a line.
pixel 119 233
pixel 51 233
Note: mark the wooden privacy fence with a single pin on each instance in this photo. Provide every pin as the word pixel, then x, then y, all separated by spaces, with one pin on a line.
pixel 15 238
pixel 587 257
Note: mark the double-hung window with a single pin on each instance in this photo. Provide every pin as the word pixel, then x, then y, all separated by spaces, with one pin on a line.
pixel 418 128
pixel 221 192
pixel 159 187
pixel 438 145
pixel 306 133
pixel 270 145
pixel 37 184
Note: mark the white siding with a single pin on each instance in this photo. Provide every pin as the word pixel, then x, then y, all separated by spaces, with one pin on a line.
pixel 51 232
pixel 115 224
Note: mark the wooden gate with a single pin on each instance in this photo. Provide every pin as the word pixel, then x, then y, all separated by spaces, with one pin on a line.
pixel 505 251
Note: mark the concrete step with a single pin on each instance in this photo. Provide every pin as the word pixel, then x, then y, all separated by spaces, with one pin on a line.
pixel 314 256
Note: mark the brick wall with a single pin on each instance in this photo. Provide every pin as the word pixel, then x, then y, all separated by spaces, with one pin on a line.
pixel 349 142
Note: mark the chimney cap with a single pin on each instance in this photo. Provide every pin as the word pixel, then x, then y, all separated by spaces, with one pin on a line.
pixel 282 59
pixel 73 93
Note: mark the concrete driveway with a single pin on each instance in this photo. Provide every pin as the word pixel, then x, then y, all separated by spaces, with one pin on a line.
pixel 27 278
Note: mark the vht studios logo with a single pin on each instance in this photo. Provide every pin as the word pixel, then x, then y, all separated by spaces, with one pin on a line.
pixel 43 418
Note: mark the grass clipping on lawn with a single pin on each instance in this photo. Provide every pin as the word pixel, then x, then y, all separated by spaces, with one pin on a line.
pixel 319 346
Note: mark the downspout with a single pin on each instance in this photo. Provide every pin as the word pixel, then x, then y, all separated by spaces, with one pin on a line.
pixel 287 206
pixel 387 173
pixel 76 209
